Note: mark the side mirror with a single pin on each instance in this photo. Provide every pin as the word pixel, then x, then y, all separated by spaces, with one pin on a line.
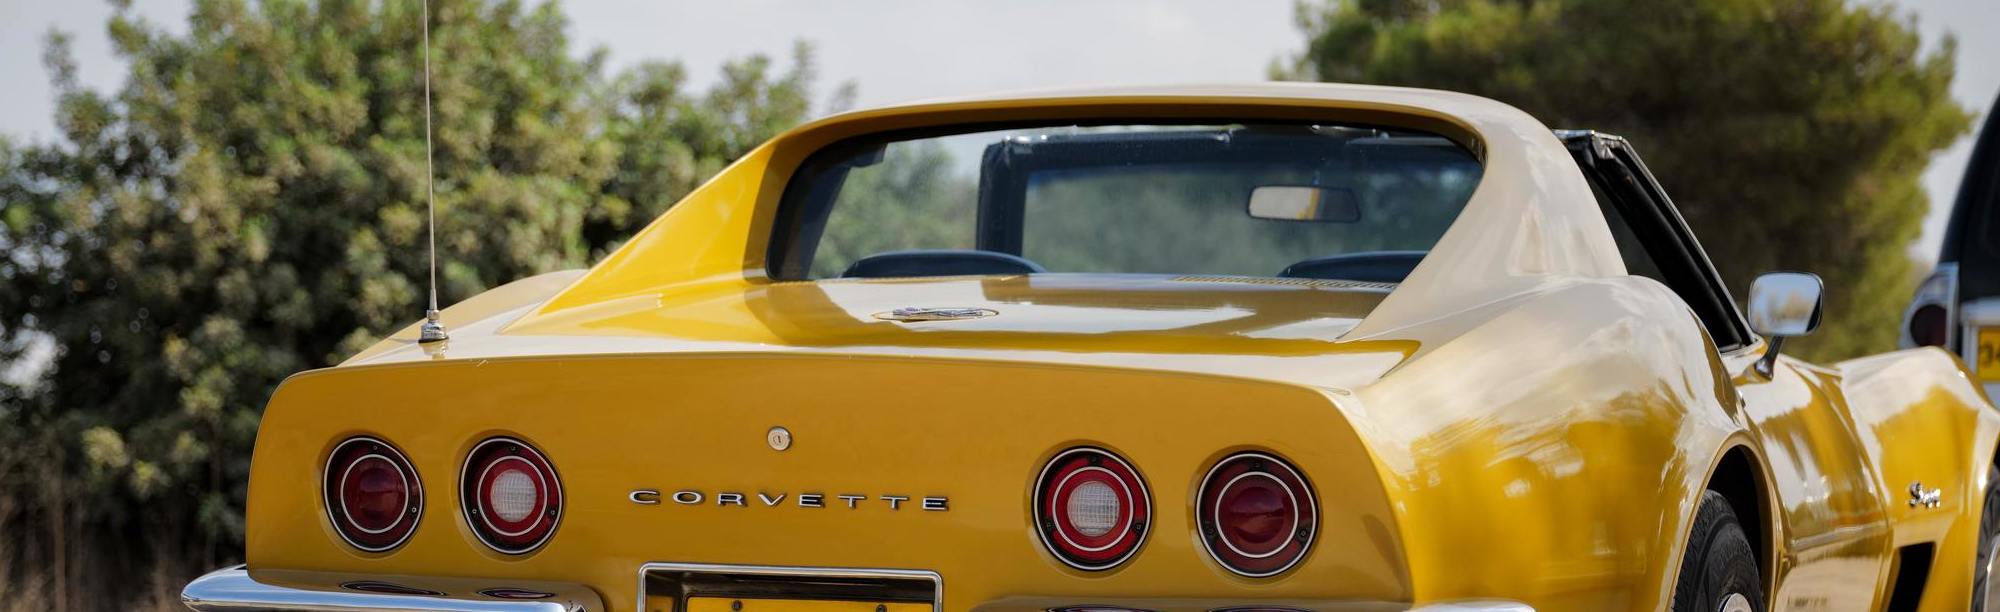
pixel 1783 305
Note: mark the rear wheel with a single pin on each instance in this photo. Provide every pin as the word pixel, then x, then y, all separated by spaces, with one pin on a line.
pixel 1719 569
pixel 1983 596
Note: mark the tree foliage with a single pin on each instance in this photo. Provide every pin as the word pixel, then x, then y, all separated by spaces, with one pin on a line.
pixel 251 203
pixel 1791 133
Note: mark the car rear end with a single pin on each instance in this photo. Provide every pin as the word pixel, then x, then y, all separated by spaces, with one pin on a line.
pixel 777 481
pixel 1958 307
pixel 1109 368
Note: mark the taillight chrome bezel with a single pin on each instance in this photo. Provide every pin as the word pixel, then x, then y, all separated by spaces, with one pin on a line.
pixel 1939 290
pixel 340 466
pixel 547 516
pixel 1136 509
pixel 1254 466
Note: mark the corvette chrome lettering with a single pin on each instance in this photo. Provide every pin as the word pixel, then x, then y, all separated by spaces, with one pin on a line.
pixel 768 499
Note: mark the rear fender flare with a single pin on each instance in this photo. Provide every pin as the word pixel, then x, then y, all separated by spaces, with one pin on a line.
pixel 1768 530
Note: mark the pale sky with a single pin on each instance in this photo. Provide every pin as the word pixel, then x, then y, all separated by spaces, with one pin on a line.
pixel 909 49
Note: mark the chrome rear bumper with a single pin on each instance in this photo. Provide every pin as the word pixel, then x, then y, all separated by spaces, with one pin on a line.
pixel 237 590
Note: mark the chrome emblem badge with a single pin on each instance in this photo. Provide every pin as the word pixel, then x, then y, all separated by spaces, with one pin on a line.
pixel 914 314
pixel 779 438
pixel 1928 498
pixel 767 499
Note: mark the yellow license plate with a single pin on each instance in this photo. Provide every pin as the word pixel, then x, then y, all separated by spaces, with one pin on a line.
pixel 1988 364
pixel 730 604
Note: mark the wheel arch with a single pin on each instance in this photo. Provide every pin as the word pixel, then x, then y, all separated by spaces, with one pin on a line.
pixel 1994 461
pixel 1739 474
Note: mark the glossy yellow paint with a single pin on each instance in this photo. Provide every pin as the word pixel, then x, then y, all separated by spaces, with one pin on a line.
pixel 1518 420
pixel 613 424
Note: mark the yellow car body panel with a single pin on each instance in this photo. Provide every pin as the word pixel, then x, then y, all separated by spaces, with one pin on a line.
pixel 1518 420
pixel 604 425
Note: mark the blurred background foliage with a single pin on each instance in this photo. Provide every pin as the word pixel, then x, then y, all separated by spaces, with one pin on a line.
pixel 1790 133
pixel 251 203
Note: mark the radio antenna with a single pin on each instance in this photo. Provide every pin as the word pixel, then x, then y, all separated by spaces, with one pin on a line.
pixel 433 328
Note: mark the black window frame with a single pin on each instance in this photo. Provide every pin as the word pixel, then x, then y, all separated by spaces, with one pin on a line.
pixel 1611 164
pixel 803 210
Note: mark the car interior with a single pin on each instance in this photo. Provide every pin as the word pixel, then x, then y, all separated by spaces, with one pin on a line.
pixel 1321 195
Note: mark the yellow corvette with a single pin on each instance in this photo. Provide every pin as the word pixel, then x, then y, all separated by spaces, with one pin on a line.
pixel 1266 347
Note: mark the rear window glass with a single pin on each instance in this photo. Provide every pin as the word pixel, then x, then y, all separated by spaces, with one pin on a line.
pixel 1318 201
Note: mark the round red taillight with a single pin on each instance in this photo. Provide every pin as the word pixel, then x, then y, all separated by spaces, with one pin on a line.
pixel 1257 514
pixel 371 494
pixel 511 495
pixel 1091 508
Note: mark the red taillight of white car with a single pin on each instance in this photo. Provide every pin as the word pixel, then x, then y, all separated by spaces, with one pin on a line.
pixel 1929 321
pixel 1930 325
pixel 511 495
pixel 1258 515
pixel 372 494
pixel 1091 508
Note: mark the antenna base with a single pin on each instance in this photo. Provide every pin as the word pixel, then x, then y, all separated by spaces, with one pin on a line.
pixel 432 330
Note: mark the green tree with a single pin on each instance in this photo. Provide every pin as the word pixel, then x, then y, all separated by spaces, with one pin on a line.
pixel 250 203
pixel 671 140
pixel 1791 133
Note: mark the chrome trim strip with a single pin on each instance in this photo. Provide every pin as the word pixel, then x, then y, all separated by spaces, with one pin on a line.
pixel 937 595
pixel 1270 459
pixel 541 495
pixel 342 487
pixel 1840 535
pixel 414 490
pixel 1123 530
pixel 234 590
pixel 1145 499
pixel 1224 489
pixel 466 506
pixel 1948 301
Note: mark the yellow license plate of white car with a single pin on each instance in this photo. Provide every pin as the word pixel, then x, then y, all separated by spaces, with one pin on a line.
pixel 1988 359
pixel 731 604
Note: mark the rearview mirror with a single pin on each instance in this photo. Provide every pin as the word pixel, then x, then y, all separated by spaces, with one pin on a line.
pixel 1783 305
pixel 1297 203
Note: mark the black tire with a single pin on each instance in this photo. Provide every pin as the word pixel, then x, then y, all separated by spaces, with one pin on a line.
pixel 1719 561
pixel 1989 527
